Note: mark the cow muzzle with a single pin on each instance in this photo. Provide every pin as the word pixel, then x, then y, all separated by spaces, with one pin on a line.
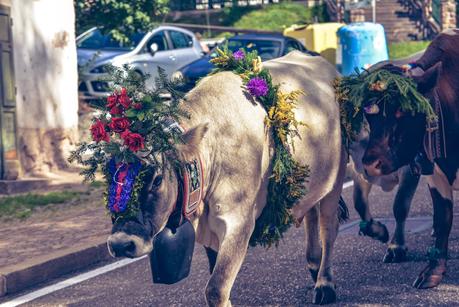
pixel 121 244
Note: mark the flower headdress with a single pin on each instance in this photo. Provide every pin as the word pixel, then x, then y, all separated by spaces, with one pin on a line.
pixel 128 135
pixel 370 91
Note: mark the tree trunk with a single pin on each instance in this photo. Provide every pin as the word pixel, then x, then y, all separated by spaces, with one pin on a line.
pixel 46 78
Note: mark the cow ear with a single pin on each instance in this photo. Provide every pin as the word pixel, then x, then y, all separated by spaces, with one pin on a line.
pixel 191 140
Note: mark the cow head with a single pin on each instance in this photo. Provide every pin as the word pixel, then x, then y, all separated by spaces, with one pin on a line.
pixel 133 237
pixel 395 137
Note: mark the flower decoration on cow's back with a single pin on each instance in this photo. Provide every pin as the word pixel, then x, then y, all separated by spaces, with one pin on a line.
pixel 128 134
pixel 368 92
pixel 286 185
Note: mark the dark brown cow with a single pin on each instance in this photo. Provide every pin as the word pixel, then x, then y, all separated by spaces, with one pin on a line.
pixel 395 138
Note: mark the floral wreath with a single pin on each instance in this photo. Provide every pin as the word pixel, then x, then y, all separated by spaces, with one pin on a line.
pixel 286 185
pixel 128 134
pixel 370 91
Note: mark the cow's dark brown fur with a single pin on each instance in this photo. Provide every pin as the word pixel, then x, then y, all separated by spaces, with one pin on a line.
pixel 391 139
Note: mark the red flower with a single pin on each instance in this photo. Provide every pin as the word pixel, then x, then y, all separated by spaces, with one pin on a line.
pixel 116 110
pixel 134 141
pixel 119 124
pixel 137 106
pixel 124 99
pixel 111 101
pixel 98 132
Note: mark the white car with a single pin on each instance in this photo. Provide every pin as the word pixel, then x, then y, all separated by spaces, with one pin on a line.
pixel 167 47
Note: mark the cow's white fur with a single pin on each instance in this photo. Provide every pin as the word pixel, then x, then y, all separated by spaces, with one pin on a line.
pixel 244 145
pixel 237 150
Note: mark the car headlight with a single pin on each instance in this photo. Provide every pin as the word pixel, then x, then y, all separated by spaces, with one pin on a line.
pixel 177 76
pixel 102 69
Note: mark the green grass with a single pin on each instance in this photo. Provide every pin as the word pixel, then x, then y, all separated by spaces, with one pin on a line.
pixel 278 16
pixel 22 206
pixel 404 49
pixel 97 184
pixel 274 17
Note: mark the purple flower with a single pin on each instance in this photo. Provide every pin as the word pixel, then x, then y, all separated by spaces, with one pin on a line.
pixel 257 87
pixel 238 55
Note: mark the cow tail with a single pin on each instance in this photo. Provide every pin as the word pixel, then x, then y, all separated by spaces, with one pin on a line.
pixel 343 212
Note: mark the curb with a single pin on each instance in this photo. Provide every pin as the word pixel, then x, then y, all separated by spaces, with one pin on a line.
pixel 20 277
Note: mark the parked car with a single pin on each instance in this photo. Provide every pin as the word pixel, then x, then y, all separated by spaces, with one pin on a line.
pixel 165 46
pixel 268 46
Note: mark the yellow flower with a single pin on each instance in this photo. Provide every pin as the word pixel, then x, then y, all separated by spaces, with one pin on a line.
pixel 282 116
pixel 378 86
pixel 221 59
pixel 257 65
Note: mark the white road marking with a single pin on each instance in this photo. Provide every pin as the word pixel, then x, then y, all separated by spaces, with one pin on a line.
pixel 91 274
pixel 348 184
pixel 69 282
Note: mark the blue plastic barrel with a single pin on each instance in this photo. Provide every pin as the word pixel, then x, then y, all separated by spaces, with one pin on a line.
pixel 362 45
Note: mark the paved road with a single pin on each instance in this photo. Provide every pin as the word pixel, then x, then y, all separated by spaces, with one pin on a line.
pixel 278 277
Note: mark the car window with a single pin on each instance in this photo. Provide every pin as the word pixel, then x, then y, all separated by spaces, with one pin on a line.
pixel 266 49
pixel 97 40
pixel 180 40
pixel 159 39
pixel 292 45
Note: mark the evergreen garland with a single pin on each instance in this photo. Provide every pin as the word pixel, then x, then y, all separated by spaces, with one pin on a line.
pixel 377 89
pixel 286 185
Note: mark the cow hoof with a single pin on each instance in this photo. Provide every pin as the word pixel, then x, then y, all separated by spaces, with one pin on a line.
pixel 314 274
pixel 395 254
pixel 375 230
pixel 324 294
pixel 432 275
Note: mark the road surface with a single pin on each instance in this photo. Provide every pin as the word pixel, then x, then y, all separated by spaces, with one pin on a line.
pixel 278 277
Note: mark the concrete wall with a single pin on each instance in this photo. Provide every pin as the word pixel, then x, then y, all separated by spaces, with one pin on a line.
pixel 47 81
pixel 5 2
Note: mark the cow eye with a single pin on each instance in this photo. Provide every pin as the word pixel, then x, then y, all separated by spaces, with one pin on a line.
pixel 157 181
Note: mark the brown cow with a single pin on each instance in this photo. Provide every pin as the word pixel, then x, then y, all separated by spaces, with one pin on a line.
pixel 395 138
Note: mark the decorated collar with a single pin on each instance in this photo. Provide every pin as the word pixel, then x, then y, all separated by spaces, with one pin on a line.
pixel 192 187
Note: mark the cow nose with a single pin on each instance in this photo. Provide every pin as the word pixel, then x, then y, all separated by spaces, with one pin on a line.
pixel 122 248
pixel 374 168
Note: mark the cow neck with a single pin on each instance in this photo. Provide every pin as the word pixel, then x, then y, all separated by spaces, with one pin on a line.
pixel 190 189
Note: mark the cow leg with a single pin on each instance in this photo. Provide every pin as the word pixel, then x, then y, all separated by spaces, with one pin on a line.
pixel 324 290
pixel 313 250
pixel 368 226
pixel 212 257
pixel 396 251
pixel 230 256
pixel 442 199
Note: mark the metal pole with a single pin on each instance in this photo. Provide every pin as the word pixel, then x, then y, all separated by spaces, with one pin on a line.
pixel 373 5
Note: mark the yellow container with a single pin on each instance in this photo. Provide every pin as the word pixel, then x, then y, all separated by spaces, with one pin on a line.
pixel 318 37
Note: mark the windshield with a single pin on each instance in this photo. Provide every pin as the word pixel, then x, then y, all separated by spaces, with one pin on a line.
pixel 266 49
pixel 96 40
